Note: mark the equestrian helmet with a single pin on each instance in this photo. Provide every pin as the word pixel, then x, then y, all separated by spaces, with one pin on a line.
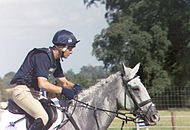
pixel 64 38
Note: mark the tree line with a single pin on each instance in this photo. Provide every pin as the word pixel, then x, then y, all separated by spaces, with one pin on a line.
pixel 88 76
pixel 153 32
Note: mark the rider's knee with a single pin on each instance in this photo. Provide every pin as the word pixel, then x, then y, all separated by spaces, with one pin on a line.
pixel 45 119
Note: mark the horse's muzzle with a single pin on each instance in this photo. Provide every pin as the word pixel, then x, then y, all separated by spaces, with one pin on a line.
pixel 151 117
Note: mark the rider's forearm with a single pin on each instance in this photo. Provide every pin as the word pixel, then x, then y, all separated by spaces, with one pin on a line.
pixel 66 83
pixel 49 87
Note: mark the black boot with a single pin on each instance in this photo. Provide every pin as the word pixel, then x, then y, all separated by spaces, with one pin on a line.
pixel 37 125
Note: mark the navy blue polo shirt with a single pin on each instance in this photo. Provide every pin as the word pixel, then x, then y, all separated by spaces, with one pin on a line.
pixel 37 64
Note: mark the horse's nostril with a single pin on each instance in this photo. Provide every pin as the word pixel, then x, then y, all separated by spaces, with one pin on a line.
pixel 155 118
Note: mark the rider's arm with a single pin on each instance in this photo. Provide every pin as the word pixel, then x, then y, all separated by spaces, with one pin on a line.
pixel 66 83
pixel 41 62
pixel 62 81
pixel 49 87
pixel 43 83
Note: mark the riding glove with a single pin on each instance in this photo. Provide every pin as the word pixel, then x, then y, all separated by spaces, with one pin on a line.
pixel 77 89
pixel 68 93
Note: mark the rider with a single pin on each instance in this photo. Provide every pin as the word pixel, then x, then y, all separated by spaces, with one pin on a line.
pixel 33 75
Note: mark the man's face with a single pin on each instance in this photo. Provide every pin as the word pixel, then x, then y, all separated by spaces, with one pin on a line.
pixel 67 51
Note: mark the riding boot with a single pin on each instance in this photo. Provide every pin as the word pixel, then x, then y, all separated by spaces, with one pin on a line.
pixel 37 125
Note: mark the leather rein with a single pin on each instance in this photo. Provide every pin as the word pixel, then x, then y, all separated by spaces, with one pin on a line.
pixel 140 114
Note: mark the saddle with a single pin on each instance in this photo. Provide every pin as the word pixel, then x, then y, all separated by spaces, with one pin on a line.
pixel 51 111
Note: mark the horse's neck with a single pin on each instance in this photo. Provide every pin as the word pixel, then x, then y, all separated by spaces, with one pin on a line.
pixel 103 93
pixel 103 96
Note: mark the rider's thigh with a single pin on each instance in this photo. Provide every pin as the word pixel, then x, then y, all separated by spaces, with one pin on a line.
pixel 25 99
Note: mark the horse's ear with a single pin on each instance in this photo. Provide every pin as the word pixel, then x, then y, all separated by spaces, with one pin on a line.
pixel 123 68
pixel 126 70
pixel 136 68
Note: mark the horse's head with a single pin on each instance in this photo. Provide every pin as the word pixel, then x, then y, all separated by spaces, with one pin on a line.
pixel 137 95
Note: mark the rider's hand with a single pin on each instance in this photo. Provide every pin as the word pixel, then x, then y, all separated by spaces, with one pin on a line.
pixel 68 93
pixel 77 89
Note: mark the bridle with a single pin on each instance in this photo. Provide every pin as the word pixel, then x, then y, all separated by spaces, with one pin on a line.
pixel 140 114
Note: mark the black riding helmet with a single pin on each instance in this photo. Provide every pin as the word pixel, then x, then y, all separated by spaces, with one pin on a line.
pixel 65 38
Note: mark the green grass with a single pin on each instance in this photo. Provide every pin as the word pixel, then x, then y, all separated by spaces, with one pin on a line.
pixel 182 120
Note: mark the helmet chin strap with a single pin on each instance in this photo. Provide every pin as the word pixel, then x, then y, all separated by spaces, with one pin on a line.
pixel 62 53
pixel 65 48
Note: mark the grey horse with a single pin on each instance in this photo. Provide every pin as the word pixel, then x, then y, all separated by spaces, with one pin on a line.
pixel 97 106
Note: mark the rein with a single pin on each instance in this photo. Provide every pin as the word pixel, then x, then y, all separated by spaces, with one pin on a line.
pixel 68 115
pixel 140 114
pixel 119 115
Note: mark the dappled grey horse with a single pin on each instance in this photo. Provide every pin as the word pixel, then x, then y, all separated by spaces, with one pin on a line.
pixel 95 108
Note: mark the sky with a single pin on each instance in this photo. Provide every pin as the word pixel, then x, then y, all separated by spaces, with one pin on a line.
pixel 28 24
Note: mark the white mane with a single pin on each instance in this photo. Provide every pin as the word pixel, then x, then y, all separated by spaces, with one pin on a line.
pixel 99 85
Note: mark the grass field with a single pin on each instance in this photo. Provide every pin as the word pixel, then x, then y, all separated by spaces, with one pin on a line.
pixel 182 121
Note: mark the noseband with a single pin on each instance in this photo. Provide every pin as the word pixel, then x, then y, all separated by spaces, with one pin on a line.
pixel 138 106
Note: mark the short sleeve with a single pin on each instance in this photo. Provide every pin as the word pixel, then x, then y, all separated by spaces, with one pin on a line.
pixel 42 64
pixel 58 72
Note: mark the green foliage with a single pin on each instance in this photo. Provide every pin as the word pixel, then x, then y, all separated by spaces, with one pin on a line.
pixel 155 33
pixel 4 85
pixel 7 78
pixel 88 75
pixel 4 95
